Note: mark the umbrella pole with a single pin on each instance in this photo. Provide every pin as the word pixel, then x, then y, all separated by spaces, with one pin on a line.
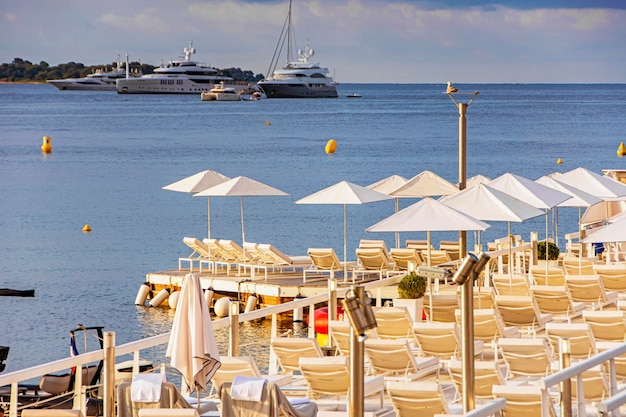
pixel 397 233
pixel 345 242
pixel 208 212
pixel 546 246
pixel 428 246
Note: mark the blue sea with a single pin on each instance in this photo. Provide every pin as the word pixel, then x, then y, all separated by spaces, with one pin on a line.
pixel 112 154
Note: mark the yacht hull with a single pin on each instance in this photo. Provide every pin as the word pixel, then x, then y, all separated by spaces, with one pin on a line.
pixel 171 85
pixel 82 86
pixel 279 90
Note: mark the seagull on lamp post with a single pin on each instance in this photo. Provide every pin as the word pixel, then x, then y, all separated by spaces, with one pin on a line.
pixel 450 88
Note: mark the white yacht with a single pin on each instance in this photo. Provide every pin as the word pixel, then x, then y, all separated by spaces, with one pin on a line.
pixel 180 76
pixel 100 80
pixel 297 79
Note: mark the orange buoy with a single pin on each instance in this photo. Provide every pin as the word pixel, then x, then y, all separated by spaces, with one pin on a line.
pixel 331 146
pixel 86 228
pixel 46 147
pixel 267 123
pixel 559 161
pixel 621 150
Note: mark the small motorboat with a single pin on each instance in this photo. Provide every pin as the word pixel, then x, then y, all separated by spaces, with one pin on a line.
pixel 9 292
pixel 221 93
pixel 353 95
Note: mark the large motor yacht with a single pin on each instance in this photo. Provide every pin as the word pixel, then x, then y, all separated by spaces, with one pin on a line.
pixel 100 80
pixel 180 76
pixel 298 78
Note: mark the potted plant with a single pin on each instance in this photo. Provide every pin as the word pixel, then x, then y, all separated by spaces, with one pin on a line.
pixel 553 251
pixel 411 289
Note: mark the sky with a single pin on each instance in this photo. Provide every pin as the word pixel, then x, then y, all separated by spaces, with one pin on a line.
pixel 359 41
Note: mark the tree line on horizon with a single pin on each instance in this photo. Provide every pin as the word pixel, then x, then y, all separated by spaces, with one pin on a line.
pixel 21 70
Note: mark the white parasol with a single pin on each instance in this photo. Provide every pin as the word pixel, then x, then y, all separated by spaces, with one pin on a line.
pixel 192 346
pixel 344 193
pixel 386 186
pixel 198 182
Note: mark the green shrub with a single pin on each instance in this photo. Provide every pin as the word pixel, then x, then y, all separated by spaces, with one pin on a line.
pixel 553 251
pixel 412 286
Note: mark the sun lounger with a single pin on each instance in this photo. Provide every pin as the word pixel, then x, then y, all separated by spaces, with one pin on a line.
pixel 581 340
pixel 371 261
pixel 526 357
pixel 329 376
pixel 440 306
pixel 577 266
pixel 281 261
pixel 324 261
pixel 401 257
pixel 416 398
pixel 200 253
pixel 418 244
pixel 607 325
pixel 232 366
pixel 510 284
pixel 220 256
pixel 395 359
pixel 524 401
pixel 486 375
pixel 488 326
pixel 452 247
pixel 441 340
pixel 437 257
pixel 613 277
pixel 549 276
pixel 375 243
pixel 289 350
pixel 522 312
pixel 394 323
pixel 556 300
pixel 589 289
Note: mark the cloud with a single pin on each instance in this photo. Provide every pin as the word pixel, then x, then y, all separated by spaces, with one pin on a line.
pixel 146 21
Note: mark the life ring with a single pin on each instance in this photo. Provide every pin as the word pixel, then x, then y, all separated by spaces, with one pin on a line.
pixel 320 319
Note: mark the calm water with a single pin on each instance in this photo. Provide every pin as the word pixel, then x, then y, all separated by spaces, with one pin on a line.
pixel 113 153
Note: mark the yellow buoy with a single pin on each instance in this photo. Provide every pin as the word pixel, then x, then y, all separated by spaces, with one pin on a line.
pixel 621 150
pixel 86 228
pixel 331 146
pixel 267 123
pixel 46 147
pixel 559 161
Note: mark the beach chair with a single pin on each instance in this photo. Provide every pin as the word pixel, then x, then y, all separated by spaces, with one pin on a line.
pixel 510 284
pixel 619 361
pixel 371 261
pixel 395 359
pixel 401 257
pixel 581 341
pixel 329 376
pixel 376 243
pixel 613 277
pixel 220 256
pixel 441 340
pixel 549 276
pixel 556 300
pixel 170 398
pixel 200 252
pixel 486 375
pixel 576 266
pixel 483 297
pixel 324 261
pixel 452 247
pixel 521 311
pixel 339 332
pixel 418 244
pixel 524 401
pixel 232 366
pixel 289 350
pixel 394 323
pixel 416 398
pixel 488 326
pixel 606 325
pixel 526 358
pixel 281 261
pixel 236 254
pixel 440 307
pixel 589 289
pixel 437 257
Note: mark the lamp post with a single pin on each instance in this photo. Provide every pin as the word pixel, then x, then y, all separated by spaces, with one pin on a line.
pixel 467 299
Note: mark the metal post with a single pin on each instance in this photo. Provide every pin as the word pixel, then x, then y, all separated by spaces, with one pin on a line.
pixel 233 316
pixel 467 300
pixel 566 386
pixel 109 375
pixel 332 306
pixel 356 401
